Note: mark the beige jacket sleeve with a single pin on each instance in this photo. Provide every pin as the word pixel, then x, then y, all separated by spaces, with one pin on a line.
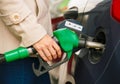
pixel 21 22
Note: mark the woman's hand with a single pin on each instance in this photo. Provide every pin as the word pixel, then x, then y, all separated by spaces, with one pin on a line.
pixel 47 48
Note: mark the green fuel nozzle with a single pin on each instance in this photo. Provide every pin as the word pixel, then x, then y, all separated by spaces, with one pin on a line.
pixel 68 40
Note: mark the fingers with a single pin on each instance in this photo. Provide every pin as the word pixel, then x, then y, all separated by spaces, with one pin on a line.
pixel 39 49
pixel 53 52
pixel 43 55
pixel 58 50
pixel 49 53
pixel 48 48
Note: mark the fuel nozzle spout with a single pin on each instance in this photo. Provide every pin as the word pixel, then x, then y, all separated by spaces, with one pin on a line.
pixel 90 44
pixel 95 45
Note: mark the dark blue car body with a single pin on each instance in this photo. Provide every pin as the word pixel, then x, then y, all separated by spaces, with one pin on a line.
pixel 107 70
